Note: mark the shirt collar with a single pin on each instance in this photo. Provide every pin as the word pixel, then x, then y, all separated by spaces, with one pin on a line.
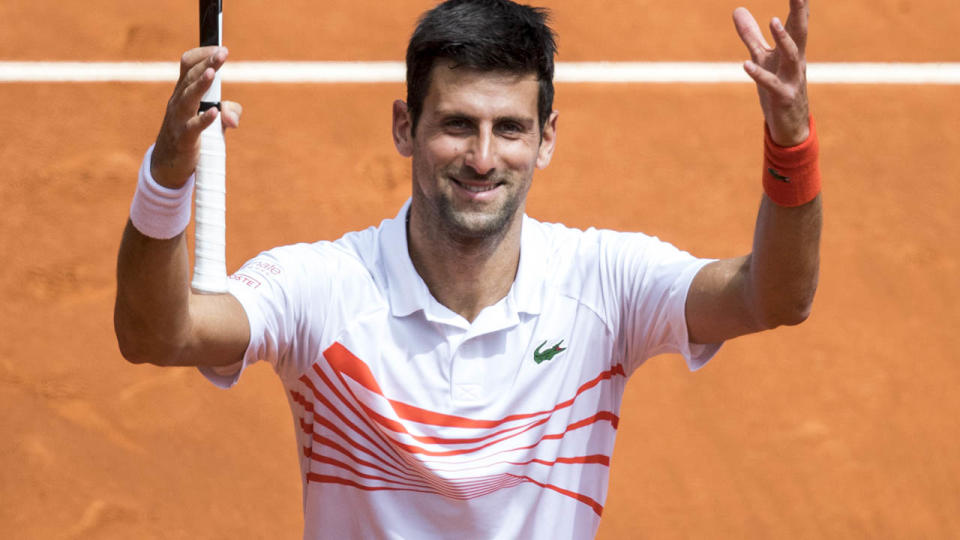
pixel 526 293
pixel 406 289
pixel 408 293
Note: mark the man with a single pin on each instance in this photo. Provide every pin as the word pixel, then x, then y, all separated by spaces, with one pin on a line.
pixel 458 370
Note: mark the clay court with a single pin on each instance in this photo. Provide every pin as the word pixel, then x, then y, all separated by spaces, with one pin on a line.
pixel 847 426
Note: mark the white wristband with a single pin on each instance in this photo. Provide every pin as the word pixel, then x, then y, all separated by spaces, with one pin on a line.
pixel 157 211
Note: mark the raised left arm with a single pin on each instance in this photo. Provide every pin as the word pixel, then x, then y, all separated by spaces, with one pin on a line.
pixel 775 284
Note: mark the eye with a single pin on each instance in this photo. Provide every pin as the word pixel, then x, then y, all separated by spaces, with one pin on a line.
pixel 456 124
pixel 511 128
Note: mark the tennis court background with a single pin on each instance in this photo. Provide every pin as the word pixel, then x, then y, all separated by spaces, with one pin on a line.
pixel 844 427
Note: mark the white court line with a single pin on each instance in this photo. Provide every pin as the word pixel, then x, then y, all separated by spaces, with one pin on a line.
pixel 567 72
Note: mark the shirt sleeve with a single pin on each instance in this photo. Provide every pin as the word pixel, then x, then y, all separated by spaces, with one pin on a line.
pixel 650 280
pixel 273 290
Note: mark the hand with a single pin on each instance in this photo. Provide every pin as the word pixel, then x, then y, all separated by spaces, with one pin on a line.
pixel 781 72
pixel 177 149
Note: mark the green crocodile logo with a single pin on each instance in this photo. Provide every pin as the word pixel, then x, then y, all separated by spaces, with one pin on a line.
pixel 778 176
pixel 543 356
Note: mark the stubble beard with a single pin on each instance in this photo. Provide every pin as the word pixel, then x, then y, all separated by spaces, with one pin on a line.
pixel 475 225
pixel 469 225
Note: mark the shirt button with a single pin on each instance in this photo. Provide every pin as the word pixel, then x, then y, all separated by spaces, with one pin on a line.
pixel 467 392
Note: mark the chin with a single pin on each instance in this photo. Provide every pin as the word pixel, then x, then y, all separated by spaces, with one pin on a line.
pixel 477 225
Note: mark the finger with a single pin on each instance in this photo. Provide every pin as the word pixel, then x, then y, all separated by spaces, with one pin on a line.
pixel 231 112
pixel 765 79
pixel 789 54
pixel 188 99
pixel 750 34
pixel 215 60
pixel 193 56
pixel 797 23
pixel 199 122
pixel 196 82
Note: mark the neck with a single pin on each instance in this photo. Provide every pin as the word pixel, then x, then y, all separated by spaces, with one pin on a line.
pixel 464 274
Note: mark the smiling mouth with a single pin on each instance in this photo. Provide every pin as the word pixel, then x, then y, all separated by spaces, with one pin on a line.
pixel 476 188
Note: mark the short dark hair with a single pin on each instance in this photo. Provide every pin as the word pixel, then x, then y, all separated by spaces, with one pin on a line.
pixel 487 35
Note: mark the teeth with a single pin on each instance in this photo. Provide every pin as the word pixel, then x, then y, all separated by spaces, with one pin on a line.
pixel 476 189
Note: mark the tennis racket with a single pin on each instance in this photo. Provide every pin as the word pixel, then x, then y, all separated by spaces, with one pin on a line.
pixel 210 264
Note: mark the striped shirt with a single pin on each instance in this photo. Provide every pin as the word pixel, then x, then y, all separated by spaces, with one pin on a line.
pixel 415 423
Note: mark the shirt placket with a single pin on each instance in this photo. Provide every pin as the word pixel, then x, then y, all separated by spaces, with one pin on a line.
pixel 466 380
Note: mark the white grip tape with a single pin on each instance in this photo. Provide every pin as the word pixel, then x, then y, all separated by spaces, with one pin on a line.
pixel 210 264
pixel 212 95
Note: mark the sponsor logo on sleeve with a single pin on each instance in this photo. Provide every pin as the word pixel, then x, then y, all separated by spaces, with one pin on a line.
pixel 265 267
pixel 246 280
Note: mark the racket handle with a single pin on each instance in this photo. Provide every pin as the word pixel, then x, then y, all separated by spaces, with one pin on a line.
pixel 210 265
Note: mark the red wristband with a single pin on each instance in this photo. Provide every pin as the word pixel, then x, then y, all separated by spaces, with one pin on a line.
pixel 791 175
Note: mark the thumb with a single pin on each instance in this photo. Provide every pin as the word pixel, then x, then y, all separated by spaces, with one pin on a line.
pixel 231 113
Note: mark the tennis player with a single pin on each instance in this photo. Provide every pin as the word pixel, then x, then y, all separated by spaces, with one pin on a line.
pixel 457 371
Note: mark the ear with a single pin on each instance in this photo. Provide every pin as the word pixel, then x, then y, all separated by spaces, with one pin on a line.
pixel 402 137
pixel 548 140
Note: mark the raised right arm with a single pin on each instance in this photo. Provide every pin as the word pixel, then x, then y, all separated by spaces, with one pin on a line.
pixel 157 318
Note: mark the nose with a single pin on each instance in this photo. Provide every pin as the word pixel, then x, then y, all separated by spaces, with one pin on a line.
pixel 480 155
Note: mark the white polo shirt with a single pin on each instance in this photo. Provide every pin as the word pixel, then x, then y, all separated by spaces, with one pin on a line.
pixel 414 423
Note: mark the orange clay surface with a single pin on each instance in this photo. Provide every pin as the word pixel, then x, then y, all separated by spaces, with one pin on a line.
pixel 844 427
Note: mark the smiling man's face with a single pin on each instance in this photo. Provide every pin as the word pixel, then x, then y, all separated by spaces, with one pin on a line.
pixel 476 148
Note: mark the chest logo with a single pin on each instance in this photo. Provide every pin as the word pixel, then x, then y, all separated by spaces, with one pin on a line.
pixel 543 356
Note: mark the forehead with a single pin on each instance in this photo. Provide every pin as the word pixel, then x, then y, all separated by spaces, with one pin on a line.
pixel 463 90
